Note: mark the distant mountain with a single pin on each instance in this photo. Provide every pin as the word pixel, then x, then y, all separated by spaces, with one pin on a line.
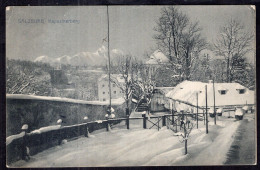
pixel 44 59
pixel 96 58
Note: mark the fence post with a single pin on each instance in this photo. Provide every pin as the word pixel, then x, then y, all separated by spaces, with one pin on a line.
pixel 59 122
pixel 182 118
pixel 158 124
pixel 186 142
pixel 197 112
pixel 107 125
pixel 25 154
pixel 127 122
pixel 164 120
pixel 176 125
pixel 144 121
pixel 86 131
pixel 172 118
pixel 207 131
pixel 86 126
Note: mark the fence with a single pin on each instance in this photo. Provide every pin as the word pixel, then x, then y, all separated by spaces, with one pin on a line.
pixel 37 142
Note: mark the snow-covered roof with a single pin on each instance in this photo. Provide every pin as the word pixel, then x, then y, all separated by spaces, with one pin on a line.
pixel 118 101
pixel 157 58
pixel 186 92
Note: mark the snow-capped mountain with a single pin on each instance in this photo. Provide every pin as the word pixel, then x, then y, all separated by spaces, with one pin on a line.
pixel 44 59
pixel 96 58
pixel 63 60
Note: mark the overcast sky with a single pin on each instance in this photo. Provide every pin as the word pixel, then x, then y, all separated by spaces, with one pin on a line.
pixel 131 28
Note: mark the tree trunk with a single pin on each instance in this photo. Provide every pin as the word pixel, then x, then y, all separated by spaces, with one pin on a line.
pixel 228 70
pixel 186 141
pixel 187 71
pixel 186 147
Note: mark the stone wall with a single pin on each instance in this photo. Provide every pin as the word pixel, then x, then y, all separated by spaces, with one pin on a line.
pixel 41 113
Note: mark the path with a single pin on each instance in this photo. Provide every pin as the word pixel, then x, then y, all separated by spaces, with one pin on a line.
pixel 216 144
pixel 242 150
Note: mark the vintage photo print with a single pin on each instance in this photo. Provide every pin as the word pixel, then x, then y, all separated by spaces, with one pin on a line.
pixel 102 86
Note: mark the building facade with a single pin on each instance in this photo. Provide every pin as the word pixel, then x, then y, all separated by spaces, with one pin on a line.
pixel 117 82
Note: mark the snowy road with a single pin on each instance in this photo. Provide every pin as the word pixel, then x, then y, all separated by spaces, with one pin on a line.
pixel 243 149
pixel 214 146
pixel 140 147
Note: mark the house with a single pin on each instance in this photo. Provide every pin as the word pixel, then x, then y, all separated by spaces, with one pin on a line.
pixel 227 96
pixel 159 100
pixel 117 81
pixel 157 58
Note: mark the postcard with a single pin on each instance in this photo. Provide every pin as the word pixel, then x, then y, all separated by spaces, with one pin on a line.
pixel 116 86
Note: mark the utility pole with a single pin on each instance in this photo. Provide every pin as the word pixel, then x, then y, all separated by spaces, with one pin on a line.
pixel 207 131
pixel 185 138
pixel 215 118
pixel 108 54
pixel 197 111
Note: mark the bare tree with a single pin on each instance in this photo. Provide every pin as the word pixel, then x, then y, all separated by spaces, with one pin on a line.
pixel 25 77
pixel 144 83
pixel 138 78
pixel 186 126
pixel 122 65
pixel 180 39
pixel 233 41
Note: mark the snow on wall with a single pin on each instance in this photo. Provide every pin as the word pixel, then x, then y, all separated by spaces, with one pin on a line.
pixel 23 109
pixel 118 101
pixel 9 139
pixel 45 129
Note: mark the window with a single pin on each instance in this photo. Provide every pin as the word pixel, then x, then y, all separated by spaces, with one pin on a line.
pixel 104 92
pixel 114 85
pixel 222 92
pixel 241 91
pixel 104 99
pixel 103 85
pixel 114 92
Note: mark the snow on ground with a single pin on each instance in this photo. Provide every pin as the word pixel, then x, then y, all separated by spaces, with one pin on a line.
pixel 141 147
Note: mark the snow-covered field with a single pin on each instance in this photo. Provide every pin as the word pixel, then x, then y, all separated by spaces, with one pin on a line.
pixel 141 147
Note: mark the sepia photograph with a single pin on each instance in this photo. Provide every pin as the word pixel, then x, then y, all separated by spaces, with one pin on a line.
pixel 135 85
